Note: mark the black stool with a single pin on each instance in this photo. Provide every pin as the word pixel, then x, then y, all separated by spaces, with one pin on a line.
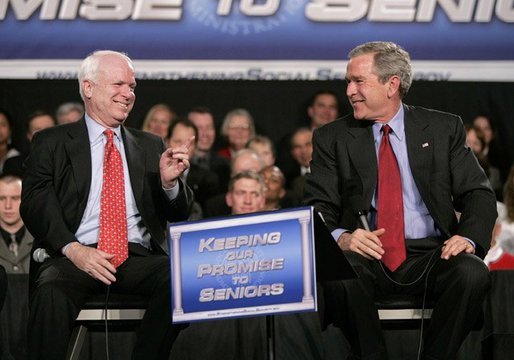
pixel 122 310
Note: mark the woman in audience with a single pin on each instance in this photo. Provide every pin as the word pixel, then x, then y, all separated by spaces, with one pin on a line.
pixel 158 120
pixel 493 151
pixel 476 140
pixel 237 129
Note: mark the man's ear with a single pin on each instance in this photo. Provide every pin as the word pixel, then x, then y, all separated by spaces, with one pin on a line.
pixel 228 199
pixel 87 88
pixel 393 83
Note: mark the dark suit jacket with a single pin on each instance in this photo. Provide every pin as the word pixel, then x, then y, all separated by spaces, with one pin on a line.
pixel 203 182
pixel 344 174
pixel 58 177
pixel 19 264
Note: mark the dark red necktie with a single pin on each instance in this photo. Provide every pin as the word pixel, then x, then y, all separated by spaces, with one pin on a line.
pixel 113 214
pixel 390 204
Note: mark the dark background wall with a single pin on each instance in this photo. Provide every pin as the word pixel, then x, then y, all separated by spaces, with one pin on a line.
pixel 277 106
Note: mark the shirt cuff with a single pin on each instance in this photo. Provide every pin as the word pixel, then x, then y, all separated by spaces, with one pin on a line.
pixel 337 233
pixel 64 248
pixel 172 193
pixel 471 242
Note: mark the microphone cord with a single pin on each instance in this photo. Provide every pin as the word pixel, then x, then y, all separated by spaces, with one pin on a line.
pixel 105 322
pixel 426 271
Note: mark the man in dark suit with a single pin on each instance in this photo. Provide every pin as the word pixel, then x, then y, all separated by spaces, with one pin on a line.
pixel 437 176
pixel 205 156
pixel 75 173
pixel 15 241
pixel 203 182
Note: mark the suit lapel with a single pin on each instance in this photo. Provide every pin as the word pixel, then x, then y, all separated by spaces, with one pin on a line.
pixel 136 164
pixel 361 150
pixel 420 147
pixel 79 152
pixel 24 249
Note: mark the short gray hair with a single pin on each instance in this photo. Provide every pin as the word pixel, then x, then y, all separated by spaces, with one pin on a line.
pixel 68 107
pixel 389 59
pixel 90 66
pixel 238 112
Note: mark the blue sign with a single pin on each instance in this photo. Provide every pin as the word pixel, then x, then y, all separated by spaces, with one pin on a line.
pixel 229 39
pixel 247 265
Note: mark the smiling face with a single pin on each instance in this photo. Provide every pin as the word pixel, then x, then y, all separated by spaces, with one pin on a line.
pixel 206 130
pixel 369 98
pixel 109 97
pixel 323 110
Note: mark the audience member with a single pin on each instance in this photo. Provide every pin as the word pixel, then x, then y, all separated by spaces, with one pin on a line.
pixel 323 108
pixel 263 146
pixel 243 160
pixel 204 155
pixel 411 181
pixel 507 224
pixel 245 193
pixel 158 120
pixel 203 182
pixel 6 128
pixel 475 139
pixel 497 246
pixel 37 121
pixel 69 112
pixel 275 190
pixel 493 150
pixel 17 241
pixel 237 129
pixel 97 196
pixel 301 151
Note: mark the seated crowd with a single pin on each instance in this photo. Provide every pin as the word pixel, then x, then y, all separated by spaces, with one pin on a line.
pixel 221 163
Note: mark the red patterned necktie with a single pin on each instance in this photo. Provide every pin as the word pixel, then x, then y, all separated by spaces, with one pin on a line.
pixel 390 204
pixel 113 214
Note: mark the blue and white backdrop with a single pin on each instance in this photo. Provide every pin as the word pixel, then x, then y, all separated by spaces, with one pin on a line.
pixel 469 40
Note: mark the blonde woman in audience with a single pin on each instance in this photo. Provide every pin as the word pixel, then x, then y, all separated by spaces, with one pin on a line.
pixel 158 120
pixel 237 129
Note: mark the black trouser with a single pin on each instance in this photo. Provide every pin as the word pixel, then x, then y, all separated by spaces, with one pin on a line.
pixel 61 289
pixel 458 287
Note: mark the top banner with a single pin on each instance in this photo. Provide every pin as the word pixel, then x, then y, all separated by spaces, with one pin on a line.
pixel 258 34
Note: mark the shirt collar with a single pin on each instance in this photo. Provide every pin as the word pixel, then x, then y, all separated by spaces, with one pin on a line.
pixel 396 124
pixel 95 130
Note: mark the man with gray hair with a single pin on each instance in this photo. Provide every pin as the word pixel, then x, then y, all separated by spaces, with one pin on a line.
pixel 97 197
pixel 69 112
pixel 409 170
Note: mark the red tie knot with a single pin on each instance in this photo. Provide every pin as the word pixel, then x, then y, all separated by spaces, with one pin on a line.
pixel 109 133
pixel 386 129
